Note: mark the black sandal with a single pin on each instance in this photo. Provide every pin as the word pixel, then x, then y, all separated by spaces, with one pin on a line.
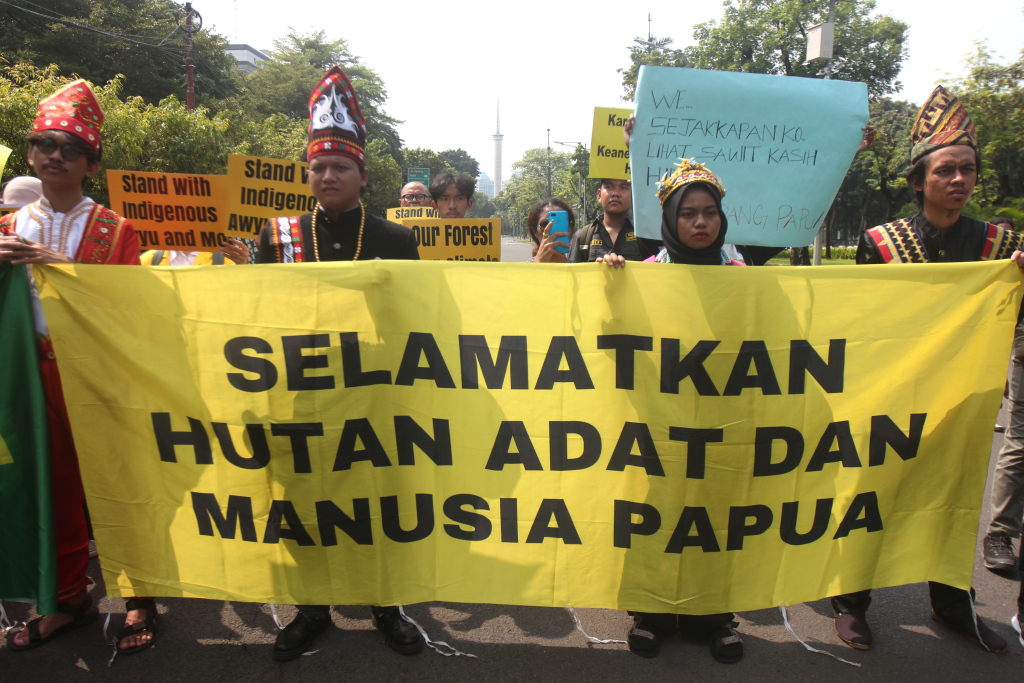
pixel 726 645
pixel 147 624
pixel 80 614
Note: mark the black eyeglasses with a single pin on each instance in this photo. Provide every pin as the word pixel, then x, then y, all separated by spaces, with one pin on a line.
pixel 69 150
pixel 414 197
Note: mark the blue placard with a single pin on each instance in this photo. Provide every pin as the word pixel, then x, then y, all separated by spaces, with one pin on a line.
pixel 780 144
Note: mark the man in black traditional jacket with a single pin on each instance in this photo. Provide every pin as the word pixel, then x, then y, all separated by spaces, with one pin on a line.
pixel 944 170
pixel 338 229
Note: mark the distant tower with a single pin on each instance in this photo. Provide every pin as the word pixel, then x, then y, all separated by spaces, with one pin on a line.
pixel 497 153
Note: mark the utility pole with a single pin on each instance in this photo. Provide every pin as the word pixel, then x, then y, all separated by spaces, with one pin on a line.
pixel 816 258
pixel 190 29
pixel 583 182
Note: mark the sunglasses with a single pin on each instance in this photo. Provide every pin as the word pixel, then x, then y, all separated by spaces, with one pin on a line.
pixel 414 197
pixel 69 151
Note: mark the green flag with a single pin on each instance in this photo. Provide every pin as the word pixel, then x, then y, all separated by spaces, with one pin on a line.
pixel 28 553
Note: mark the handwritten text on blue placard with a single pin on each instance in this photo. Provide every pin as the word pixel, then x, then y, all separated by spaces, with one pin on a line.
pixel 780 144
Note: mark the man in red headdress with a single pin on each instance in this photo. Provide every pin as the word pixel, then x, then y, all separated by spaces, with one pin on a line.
pixel 944 169
pixel 338 229
pixel 64 226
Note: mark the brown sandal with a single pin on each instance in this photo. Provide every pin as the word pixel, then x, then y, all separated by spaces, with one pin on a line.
pixel 80 614
pixel 147 624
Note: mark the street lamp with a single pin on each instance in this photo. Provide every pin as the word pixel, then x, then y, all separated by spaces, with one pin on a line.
pixel 820 40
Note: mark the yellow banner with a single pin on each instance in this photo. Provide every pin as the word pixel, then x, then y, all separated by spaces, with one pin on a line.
pixel 400 213
pixel 609 155
pixel 659 438
pixel 262 188
pixel 171 210
pixel 457 239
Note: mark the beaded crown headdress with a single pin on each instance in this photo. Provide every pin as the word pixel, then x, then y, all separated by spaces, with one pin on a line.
pixel 688 171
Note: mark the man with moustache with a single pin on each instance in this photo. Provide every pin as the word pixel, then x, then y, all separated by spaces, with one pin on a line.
pixel 65 226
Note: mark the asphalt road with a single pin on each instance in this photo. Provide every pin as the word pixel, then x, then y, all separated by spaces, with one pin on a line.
pixel 220 641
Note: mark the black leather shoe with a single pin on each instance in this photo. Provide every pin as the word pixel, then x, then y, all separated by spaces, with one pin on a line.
pixel 401 636
pixel 978 633
pixel 853 630
pixel 298 636
pixel 999 555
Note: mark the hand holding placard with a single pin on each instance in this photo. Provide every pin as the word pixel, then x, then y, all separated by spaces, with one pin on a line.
pixel 780 144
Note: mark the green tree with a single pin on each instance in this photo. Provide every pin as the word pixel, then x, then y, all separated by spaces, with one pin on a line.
pixel 529 184
pixel 656 53
pixel 281 85
pixel 425 158
pixel 994 95
pixel 770 37
pixel 483 207
pixel 140 136
pixel 140 40
pixel 890 155
pixel 462 162
pixel 385 178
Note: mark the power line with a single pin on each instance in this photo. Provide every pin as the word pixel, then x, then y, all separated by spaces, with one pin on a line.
pixel 67 22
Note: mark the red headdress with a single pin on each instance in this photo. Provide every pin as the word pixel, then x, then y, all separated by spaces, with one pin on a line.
pixel 336 124
pixel 72 109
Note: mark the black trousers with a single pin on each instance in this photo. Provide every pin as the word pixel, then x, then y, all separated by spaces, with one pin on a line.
pixel 1020 598
pixel 690 625
pixel 947 601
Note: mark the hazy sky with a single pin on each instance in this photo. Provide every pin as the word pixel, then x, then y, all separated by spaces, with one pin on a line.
pixel 552 62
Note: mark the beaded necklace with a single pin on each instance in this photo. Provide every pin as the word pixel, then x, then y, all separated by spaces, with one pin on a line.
pixel 359 240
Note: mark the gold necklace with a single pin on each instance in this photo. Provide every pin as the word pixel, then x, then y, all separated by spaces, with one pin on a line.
pixel 359 240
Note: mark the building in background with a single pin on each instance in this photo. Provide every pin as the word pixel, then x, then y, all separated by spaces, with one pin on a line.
pixel 246 56
pixel 497 153
pixel 485 184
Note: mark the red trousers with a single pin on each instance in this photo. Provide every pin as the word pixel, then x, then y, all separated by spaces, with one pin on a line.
pixel 68 496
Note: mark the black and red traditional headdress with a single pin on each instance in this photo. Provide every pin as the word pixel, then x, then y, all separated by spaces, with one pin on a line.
pixel 942 122
pixel 336 124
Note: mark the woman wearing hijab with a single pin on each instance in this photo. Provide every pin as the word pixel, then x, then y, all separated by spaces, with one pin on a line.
pixel 693 228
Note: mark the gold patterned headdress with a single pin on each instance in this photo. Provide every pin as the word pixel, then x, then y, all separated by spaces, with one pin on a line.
pixel 942 122
pixel 688 171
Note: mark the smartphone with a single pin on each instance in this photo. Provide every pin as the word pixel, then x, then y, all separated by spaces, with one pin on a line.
pixel 558 222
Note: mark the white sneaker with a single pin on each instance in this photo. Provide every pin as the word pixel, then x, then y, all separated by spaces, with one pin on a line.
pixel 1015 622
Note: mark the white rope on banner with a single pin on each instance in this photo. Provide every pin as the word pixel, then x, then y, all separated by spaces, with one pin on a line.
pixel 6 625
pixel 433 645
pixel 280 627
pixel 110 641
pixel 277 619
pixel 785 620
pixel 590 638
